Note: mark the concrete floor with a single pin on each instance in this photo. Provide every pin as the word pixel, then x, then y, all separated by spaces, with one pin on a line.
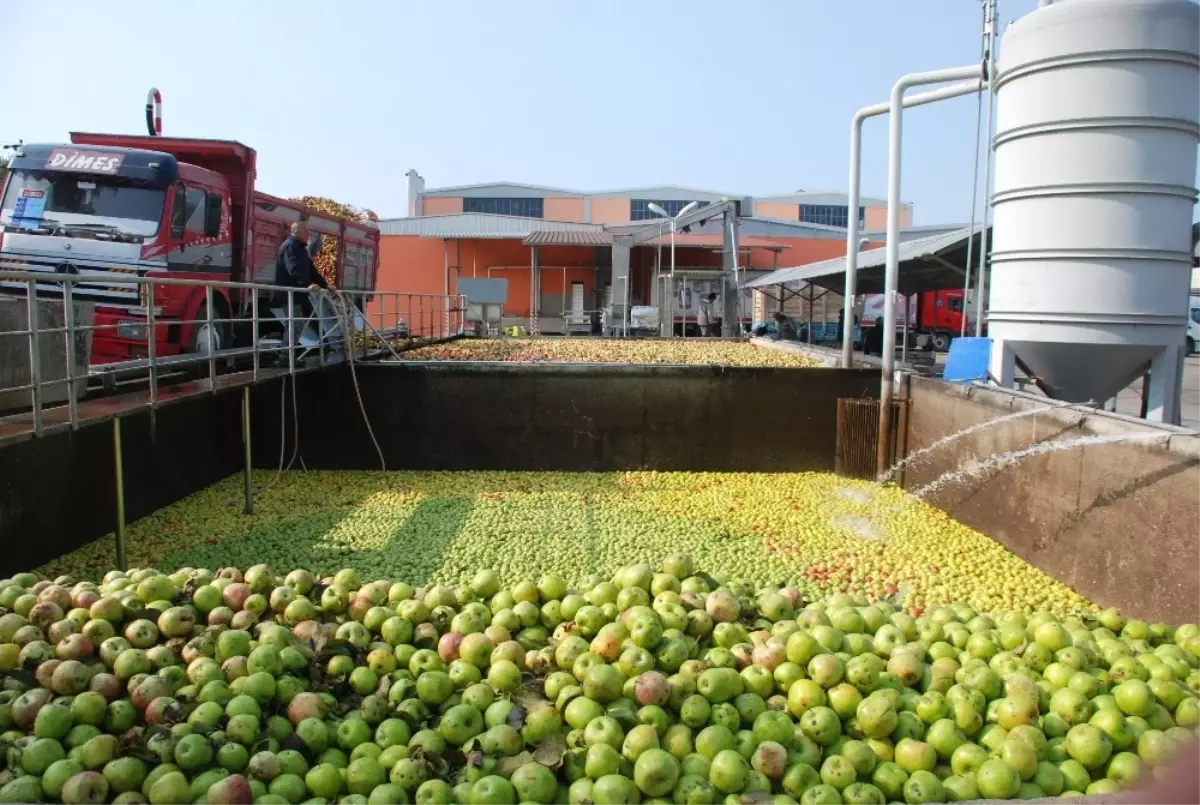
pixel 1129 401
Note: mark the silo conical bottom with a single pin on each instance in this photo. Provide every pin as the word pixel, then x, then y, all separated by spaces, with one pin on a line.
pixel 1084 372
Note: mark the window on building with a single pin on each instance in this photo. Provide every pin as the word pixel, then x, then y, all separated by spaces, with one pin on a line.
pixel 830 214
pixel 639 208
pixel 524 207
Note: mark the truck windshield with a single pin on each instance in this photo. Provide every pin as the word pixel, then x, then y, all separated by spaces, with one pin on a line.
pixel 35 199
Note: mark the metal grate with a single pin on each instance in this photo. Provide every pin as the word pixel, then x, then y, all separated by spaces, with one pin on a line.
pixel 858 436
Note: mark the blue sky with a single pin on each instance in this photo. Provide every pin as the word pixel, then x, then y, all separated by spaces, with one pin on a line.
pixel 750 97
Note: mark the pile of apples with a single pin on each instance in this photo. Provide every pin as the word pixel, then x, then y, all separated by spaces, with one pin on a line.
pixel 665 684
pixel 610 350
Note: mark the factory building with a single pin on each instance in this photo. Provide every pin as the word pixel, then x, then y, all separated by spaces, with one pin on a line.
pixel 553 247
pixel 634 204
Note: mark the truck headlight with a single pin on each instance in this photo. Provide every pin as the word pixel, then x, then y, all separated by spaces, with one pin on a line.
pixel 133 330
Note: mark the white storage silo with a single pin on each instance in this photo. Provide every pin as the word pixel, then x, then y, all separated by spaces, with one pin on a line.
pixel 1097 125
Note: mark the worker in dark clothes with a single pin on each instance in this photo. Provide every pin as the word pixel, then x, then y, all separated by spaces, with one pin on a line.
pixel 294 269
pixel 785 328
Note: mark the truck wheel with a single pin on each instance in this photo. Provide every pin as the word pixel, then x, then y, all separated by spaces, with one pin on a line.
pixel 941 341
pixel 1191 346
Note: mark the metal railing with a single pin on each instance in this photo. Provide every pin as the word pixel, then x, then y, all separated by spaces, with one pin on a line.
pixel 287 328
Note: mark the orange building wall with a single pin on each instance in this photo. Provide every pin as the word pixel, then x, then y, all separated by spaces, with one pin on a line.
pixel 610 210
pixel 563 209
pixel 416 265
pixel 413 265
pixel 876 217
pixel 441 205
pixel 774 209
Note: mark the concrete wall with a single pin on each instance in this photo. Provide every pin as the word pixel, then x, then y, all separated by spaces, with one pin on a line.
pixel 57 492
pixel 568 418
pixel 1118 522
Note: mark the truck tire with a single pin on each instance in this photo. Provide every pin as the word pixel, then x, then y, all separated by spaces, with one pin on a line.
pixel 941 341
pixel 1191 345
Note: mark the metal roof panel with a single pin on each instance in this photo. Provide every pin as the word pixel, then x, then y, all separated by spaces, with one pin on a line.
pixel 559 238
pixel 933 264
pixel 478 225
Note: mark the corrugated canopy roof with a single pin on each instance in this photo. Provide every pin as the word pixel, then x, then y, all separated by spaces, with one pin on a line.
pixel 478 225
pixel 568 239
pixel 928 264
pixel 682 239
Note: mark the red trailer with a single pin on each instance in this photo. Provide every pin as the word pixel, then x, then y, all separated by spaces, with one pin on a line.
pixel 174 207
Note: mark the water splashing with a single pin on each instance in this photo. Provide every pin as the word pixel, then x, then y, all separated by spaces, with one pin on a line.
pixel 860 495
pixel 920 455
pixel 860 527
pixel 1003 460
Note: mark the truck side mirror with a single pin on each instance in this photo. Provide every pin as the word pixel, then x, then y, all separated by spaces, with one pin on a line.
pixel 314 244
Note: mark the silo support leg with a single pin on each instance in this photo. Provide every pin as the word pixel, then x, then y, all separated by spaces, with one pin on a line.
pixel 1162 398
pixel 1002 364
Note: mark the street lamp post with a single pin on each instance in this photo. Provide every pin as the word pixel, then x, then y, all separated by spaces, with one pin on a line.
pixel 659 211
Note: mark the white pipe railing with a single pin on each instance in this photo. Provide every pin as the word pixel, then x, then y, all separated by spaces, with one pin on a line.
pixel 376 320
pixel 895 130
pixel 854 195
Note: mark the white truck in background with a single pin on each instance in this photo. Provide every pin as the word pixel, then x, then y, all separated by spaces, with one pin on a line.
pixel 1193 325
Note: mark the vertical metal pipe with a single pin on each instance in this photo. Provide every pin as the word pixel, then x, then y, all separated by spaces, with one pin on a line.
pixel 151 346
pixel 246 471
pixel 208 320
pixel 119 472
pixel 983 52
pixel 292 339
pixel 686 288
pixel 850 288
pixel 981 273
pixel 854 197
pixel 69 343
pixel 625 316
pixel 808 335
pixel 895 131
pixel 35 356
pixel 254 330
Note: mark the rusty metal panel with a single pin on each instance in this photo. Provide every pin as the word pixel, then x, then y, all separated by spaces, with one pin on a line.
pixel 858 435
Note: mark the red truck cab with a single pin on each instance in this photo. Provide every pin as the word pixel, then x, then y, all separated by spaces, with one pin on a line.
pixel 176 207
pixel 937 314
